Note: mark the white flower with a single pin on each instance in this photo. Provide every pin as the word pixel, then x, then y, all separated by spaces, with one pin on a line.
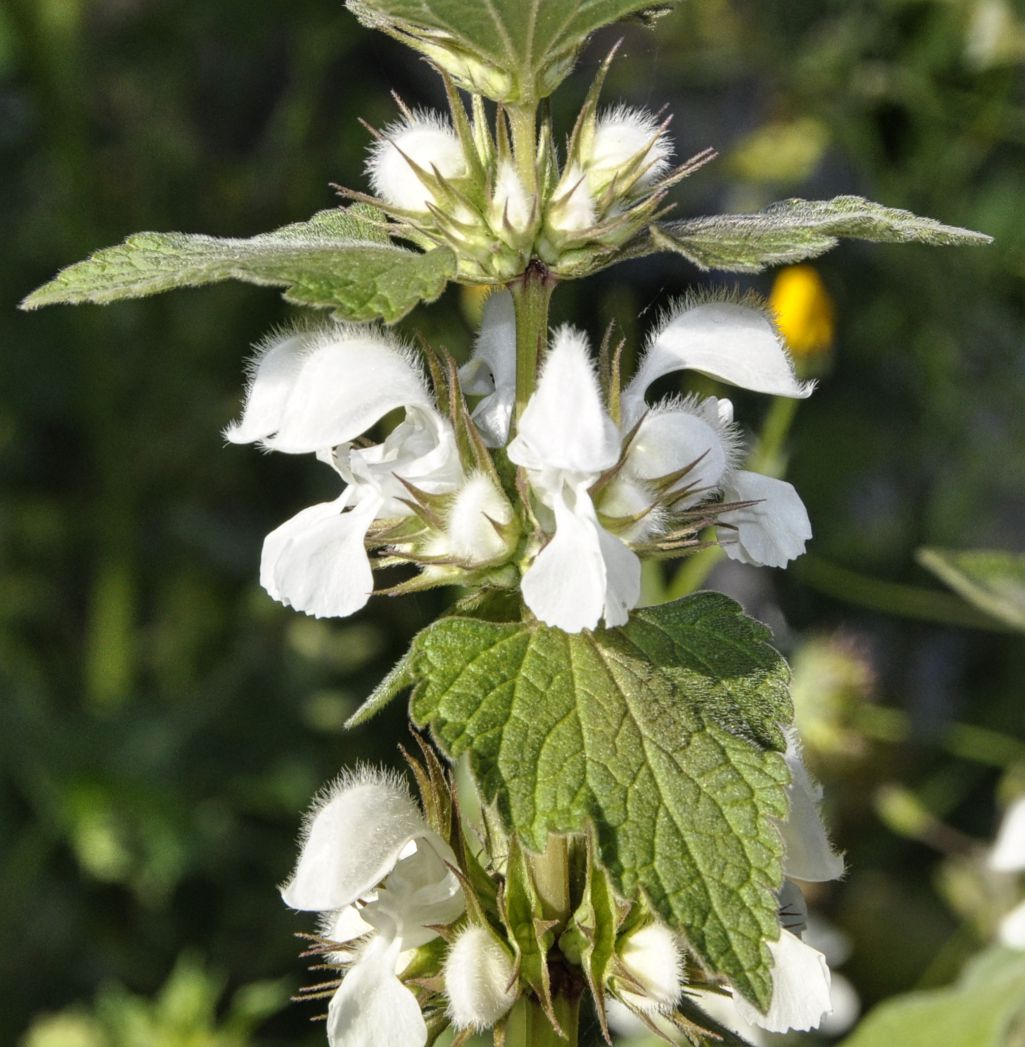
pixel 316 392
pixel 652 958
pixel 800 988
pixel 1008 855
pixel 491 370
pixel 480 980
pixel 564 441
pixel 371 862
pixel 733 343
pixel 421 140
pixel 737 345
pixel 681 454
pixel 630 145
pixel 808 853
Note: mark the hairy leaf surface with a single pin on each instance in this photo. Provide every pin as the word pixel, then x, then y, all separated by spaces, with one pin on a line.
pixel 337 260
pixel 528 44
pixel 662 735
pixel 793 230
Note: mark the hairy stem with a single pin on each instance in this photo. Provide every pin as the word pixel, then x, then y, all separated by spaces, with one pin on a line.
pixel 531 294
pixel 523 121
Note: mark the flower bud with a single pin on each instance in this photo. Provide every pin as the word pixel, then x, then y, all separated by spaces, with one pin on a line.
pixel 651 957
pixel 479 980
pixel 628 146
pixel 412 153
pixel 511 209
pixel 571 209
pixel 478 521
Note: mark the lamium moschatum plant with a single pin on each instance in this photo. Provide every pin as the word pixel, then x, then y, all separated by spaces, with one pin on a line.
pixel 640 807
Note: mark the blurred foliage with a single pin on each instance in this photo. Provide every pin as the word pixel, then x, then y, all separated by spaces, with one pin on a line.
pixel 183 1014
pixel 163 722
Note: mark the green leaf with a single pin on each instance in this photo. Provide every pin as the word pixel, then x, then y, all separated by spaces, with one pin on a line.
pixel 514 51
pixel 337 260
pixel 660 734
pixel 990 579
pixel 981 1010
pixel 793 230
pixel 399 679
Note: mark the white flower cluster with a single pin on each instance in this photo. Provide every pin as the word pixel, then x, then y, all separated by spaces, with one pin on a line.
pixel 447 181
pixel 610 479
pixel 388 885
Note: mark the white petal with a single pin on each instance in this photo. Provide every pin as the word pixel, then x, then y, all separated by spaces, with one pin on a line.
pixel 422 449
pixel 724 1009
pixel 583 573
pixel 1008 854
pixel 317 563
pixel 621 135
pixel 1012 928
pixel 809 855
pixel 418 894
pixel 349 378
pixel 652 956
pixel 845 1004
pixel 479 980
pixel 800 988
pixel 372 1008
pixel 770 533
pixel 429 141
pixel 352 840
pixel 733 343
pixel 491 371
pixel 274 370
pixel 687 433
pixel 565 425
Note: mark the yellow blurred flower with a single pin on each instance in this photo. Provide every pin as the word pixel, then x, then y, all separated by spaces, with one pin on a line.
pixel 804 311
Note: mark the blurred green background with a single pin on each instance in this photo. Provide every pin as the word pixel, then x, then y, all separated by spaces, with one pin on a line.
pixel 163 722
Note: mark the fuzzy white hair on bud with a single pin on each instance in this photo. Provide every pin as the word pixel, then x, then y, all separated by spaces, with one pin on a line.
pixel 471 525
pixel 478 977
pixel 509 202
pixel 572 207
pixel 652 958
pixel 424 139
pixel 620 137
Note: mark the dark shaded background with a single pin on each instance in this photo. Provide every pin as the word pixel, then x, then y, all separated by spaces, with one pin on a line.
pixel 162 722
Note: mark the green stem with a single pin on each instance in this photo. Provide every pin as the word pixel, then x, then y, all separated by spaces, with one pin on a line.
pixel 768 457
pixel 523 121
pixel 904 601
pixel 531 294
pixel 963 740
